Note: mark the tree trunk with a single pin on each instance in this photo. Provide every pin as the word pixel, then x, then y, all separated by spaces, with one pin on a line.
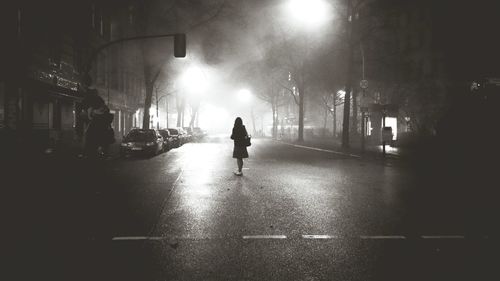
pixel 324 123
pixel 334 120
pixel 276 118
pixel 183 114
pixel 193 116
pixel 179 105
pixel 147 105
pixel 275 126
pixel 253 121
pixel 354 125
pixel 301 113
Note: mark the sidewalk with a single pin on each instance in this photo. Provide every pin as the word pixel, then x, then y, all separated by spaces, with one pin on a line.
pixel 371 151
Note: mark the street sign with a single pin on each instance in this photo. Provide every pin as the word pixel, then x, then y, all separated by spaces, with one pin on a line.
pixel 363 84
pixel 180 45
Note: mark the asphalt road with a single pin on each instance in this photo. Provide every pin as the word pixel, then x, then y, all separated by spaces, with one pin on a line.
pixel 296 214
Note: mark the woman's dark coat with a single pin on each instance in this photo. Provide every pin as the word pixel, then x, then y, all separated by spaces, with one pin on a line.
pixel 239 135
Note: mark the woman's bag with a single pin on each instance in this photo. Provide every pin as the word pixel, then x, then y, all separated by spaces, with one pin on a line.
pixel 110 136
pixel 248 141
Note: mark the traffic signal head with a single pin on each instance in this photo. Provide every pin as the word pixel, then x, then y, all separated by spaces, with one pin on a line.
pixel 180 45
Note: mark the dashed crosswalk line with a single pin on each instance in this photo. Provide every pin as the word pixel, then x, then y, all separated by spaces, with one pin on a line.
pixel 304 236
pixel 264 237
pixel 443 237
pixel 319 237
pixel 130 238
pixel 382 237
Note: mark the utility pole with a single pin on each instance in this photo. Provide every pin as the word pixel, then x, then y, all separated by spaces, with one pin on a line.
pixel 348 84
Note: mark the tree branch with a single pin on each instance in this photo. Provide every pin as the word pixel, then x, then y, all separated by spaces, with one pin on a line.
pixel 203 22
pixel 290 92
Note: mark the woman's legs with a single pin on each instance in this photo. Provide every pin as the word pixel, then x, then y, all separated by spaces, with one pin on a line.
pixel 240 164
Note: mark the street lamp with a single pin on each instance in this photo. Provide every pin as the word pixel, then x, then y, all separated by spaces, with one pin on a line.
pixel 244 95
pixel 194 80
pixel 311 13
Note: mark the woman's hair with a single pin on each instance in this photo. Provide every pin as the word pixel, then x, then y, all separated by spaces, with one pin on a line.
pixel 238 122
pixel 92 99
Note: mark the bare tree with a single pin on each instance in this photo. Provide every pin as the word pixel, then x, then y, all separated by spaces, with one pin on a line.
pixel 154 17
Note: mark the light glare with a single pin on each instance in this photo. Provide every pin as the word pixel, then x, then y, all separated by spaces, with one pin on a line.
pixel 194 80
pixel 309 12
pixel 244 95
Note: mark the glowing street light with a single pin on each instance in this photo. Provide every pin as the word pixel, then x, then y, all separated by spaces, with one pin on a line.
pixel 244 95
pixel 311 13
pixel 194 80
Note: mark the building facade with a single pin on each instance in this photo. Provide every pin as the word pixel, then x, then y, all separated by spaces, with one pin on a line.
pixel 46 49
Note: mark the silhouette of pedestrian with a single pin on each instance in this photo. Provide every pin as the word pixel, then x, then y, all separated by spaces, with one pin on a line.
pixel 98 131
pixel 241 141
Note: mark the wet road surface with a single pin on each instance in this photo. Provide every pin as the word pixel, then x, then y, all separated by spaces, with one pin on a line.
pixel 296 214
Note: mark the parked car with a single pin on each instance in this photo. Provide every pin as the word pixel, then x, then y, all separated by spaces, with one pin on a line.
pixel 189 133
pixel 198 133
pixel 176 138
pixel 168 140
pixel 142 142
pixel 183 135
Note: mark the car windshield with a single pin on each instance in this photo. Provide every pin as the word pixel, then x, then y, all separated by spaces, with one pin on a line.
pixel 164 133
pixel 173 131
pixel 140 135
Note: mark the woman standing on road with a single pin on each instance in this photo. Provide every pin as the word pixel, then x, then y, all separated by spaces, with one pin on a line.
pixel 239 136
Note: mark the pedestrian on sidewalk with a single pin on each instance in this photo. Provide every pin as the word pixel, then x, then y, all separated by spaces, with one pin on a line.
pixel 98 132
pixel 241 141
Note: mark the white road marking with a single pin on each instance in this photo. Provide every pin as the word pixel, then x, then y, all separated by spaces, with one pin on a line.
pixel 134 238
pixel 443 237
pixel 264 237
pixel 305 236
pixel 323 150
pixel 319 237
pixel 382 237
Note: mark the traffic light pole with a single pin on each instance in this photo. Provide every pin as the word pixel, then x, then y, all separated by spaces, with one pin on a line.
pixel 179 50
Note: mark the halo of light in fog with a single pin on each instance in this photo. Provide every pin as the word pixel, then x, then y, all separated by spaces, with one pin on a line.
pixel 311 13
pixel 194 80
pixel 214 119
pixel 244 95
